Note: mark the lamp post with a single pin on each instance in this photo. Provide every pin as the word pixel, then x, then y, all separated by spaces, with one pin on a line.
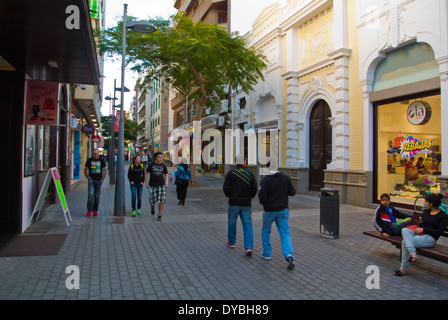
pixel 112 140
pixel 142 27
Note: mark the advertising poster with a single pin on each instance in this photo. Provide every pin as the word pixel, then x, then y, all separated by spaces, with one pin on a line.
pixel 41 103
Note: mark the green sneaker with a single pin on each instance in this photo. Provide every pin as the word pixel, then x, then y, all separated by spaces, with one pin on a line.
pixel 138 211
pixel 133 213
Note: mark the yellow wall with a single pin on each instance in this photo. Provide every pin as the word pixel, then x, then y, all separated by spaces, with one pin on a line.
pixel 356 98
pixel 315 39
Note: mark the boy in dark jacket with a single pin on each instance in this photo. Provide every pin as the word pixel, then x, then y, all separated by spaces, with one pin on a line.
pixel 275 189
pixel 240 186
pixel 385 218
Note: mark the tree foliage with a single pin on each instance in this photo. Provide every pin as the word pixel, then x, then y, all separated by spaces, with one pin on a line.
pixel 131 129
pixel 200 60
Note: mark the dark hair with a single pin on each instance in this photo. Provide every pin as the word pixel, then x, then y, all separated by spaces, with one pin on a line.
pixel 434 198
pixel 384 195
pixel 157 154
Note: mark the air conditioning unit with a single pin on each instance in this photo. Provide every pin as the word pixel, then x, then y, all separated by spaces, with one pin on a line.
pixel 224 106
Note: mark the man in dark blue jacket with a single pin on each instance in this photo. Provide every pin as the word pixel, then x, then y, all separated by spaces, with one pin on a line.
pixel 240 186
pixel 273 195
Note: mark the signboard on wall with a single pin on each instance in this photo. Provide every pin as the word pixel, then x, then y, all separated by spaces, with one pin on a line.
pixel 41 106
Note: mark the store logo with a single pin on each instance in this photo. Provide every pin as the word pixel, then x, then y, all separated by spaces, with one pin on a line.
pixel 418 113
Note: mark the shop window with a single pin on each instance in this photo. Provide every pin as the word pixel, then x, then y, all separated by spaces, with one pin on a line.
pixel 30 150
pixel 402 141
pixel 222 17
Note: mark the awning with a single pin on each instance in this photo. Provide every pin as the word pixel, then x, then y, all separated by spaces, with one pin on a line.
pixel 34 32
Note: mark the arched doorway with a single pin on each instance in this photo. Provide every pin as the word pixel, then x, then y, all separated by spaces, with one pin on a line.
pixel 320 144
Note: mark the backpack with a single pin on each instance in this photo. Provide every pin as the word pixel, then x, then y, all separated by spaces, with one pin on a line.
pixel 132 166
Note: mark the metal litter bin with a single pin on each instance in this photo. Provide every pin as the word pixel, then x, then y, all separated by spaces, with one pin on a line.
pixel 329 213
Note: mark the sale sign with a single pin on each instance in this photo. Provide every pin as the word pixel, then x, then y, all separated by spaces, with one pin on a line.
pixel 117 120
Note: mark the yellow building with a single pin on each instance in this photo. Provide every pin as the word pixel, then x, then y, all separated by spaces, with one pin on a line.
pixel 341 78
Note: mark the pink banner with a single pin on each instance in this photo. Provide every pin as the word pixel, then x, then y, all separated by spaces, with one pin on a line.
pixel 117 119
pixel 42 103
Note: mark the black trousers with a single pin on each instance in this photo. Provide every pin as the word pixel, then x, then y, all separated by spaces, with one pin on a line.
pixel 181 189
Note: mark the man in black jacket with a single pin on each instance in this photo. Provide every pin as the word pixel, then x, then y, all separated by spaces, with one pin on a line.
pixel 240 186
pixel 273 195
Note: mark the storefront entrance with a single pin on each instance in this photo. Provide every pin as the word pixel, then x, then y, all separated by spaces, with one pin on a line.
pixel 320 144
pixel 408 147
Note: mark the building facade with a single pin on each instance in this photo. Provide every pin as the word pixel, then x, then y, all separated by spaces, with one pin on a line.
pixel 341 76
pixel 43 58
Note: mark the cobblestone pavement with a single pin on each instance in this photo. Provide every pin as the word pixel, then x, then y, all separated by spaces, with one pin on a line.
pixel 185 257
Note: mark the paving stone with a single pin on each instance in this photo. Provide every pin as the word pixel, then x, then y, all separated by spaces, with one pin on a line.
pixel 184 256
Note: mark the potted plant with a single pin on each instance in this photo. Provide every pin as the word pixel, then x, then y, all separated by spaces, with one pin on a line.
pixel 423 185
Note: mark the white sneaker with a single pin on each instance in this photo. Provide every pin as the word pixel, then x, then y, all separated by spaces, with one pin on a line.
pixel 265 257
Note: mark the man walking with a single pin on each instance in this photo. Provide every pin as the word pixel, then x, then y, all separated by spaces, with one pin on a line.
pixel 158 182
pixel 273 195
pixel 240 186
pixel 95 171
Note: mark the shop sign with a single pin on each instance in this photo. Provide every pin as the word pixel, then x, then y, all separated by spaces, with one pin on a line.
pixel 96 139
pixel 268 125
pixel 418 113
pixel 88 129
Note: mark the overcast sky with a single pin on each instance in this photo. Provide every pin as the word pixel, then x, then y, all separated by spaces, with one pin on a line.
pixel 244 13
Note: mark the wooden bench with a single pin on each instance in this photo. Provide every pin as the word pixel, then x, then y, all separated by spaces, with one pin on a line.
pixel 438 252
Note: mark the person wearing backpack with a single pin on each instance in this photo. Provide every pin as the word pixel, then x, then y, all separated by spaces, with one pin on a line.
pixel 136 176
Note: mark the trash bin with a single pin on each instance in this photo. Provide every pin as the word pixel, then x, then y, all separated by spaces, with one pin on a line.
pixel 329 213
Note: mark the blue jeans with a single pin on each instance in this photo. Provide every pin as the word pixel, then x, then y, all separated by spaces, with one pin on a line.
pixel 94 192
pixel 410 242
pixel 245 214
pixel 136 192
pixel 281 219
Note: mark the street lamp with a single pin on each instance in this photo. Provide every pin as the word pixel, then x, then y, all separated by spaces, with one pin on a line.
pixel 142 27
pixel 112 140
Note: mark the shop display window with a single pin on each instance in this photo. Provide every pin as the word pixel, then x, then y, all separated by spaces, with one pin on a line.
pixel 409 148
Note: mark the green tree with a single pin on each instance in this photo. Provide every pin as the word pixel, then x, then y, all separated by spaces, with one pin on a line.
pixel 200 60
pixel 131 129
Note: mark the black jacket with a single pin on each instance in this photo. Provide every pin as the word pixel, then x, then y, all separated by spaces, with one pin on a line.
pixel 274 192
pixel 240 186
pixel 382 221
pixel 136 173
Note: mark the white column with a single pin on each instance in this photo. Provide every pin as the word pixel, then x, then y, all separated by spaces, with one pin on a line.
pixel 340 56
pixel 443 65
pixel 292 119
pixel 341 116
pixel 368 125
